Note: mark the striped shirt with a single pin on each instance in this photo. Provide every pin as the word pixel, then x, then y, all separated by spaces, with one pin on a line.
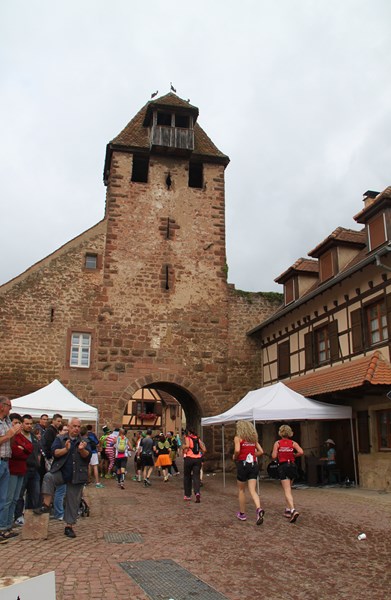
pixel 5 448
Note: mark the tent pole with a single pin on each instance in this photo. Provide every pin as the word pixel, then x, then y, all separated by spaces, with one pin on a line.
pixel 354 452
pixel 258 473
pixel 222 442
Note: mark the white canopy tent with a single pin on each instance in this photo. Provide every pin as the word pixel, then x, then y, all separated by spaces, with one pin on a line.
pixel 54 398
pixel 277 402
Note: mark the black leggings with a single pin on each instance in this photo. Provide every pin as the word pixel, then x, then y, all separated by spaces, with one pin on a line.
pixel 191 475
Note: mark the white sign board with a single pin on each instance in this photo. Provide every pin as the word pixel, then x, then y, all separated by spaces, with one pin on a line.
pixel 37 588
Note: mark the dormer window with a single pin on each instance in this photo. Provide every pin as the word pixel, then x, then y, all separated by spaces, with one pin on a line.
pixel 377 231
pixel 172 131
pixel 164 119
pixel 182 121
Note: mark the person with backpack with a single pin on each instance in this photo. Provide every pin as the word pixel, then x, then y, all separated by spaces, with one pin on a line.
pixel 193 449
pixel 104 461
pixel 122 451
pixel 162 449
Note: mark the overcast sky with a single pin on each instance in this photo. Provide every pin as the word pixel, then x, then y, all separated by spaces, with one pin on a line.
pixel 296 92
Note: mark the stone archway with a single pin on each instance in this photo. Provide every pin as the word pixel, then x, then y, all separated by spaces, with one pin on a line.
pixel 183 390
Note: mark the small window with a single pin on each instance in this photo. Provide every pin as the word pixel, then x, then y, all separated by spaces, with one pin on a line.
pixel 164 119
pixel 322 345
pixel 182 121
pixel 376 323
pixel 149 408
pixel 140 168
pixel 283 360
pixel 326 266
pixel 91 261
pixel 80 350
pixel 376 232
pixel 384 428
pixel 289 291
pixel 196 175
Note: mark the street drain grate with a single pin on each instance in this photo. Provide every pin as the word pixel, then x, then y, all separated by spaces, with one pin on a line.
pixel 122 538
pixel 166 580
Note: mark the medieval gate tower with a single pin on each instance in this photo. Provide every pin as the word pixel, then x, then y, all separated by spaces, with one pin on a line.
pixel 147 285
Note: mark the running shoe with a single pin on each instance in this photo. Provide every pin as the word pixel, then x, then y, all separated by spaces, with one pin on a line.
pixel 187 498
pixel 147 482
pixel 99 485
pixel 294 516
pixel 260 514
pixel 241 516
pixel 198 498
pixel 287 513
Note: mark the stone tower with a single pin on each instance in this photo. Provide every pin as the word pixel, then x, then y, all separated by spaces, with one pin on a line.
pixel 165 291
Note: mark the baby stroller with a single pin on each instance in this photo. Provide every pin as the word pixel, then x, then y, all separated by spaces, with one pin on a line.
pixel 84 509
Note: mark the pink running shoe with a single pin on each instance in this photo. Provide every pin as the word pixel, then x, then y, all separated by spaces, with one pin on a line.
pixel 260 514
pixel 187 498
pixel 241 516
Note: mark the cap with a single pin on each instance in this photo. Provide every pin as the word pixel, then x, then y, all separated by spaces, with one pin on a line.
pixel 330 441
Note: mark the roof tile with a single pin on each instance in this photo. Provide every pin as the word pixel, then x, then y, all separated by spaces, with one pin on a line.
pixel 373 369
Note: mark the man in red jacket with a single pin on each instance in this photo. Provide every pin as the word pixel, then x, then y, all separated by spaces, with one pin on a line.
pixel 21 448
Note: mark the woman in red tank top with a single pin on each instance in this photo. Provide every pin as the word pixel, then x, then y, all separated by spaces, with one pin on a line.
pixel 246 452
pixel 286 450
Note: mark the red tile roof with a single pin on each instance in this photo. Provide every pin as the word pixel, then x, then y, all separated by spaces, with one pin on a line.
pixel 136 135
pixel 302 265
pixel 373 369
pixel 340 236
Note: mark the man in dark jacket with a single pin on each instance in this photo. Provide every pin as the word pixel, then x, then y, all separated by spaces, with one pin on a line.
pixel 50 434
pixel 70 465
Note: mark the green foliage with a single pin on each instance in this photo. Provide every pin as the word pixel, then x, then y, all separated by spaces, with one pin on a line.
pixel 272 297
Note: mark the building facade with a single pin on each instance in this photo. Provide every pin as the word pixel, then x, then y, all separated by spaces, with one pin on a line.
pixel 141 299
pixel 330 340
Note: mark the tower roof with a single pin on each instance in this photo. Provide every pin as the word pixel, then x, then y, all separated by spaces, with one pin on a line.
pixel 135 136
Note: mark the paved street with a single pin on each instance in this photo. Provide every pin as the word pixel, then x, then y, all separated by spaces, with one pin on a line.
pixel 318 557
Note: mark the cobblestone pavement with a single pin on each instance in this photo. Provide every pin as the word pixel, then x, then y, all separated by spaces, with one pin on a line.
pixel 318 557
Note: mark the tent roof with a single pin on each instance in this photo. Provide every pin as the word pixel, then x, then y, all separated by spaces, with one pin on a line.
pixel 278 403
pixel 54 398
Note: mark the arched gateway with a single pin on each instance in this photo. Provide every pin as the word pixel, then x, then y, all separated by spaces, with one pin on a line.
pixel 141 299
pixel 185 392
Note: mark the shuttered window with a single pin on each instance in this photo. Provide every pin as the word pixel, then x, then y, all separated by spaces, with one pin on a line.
pixel 376 322
pixel 284 360
pixel 321 345
pixel 308 350
pixel 377 231
pixel 289 290
pixel 357 330
pixel 326 266
pixel 334 341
